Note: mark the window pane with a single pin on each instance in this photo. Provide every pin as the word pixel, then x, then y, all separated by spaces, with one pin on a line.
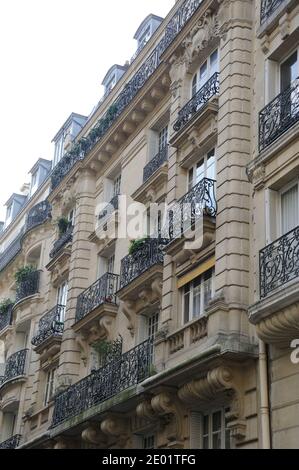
pixel 211 167
pixel 205 442
pixel 190 179
pixel 206 425
pixel 289 71
pixel 194 85
pixel 216 421
pixel 214 63
pixel 217 440
pixel 200 171
pixel 196 301
pixel 186 307
pixel 289 208
pixel 203 74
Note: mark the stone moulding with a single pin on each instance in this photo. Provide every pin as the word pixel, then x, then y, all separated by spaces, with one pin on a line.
pixel 280 328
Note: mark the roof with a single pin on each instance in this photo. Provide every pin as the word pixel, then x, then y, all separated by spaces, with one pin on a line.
pixel 40 161
pixel 67 123
pixel 144 23
pixel 114 67
pixel 15 196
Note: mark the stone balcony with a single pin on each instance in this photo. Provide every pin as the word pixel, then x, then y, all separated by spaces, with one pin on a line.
pixel 96 307
pixel 276 313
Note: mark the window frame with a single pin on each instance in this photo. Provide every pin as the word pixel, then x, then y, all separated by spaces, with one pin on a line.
pixel 193 167
pixel 281 192
pixel 50 384
pixel 190 294
pixel 196 84
pixel 211 433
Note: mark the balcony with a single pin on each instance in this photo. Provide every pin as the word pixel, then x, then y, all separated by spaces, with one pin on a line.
pixel 102 291
pixel 11 443
pixel 81 148
pixel 11 251
pixel 6 317
pixel 113 204
pixel 134 265
pixel 197 104
pixel 116 376
pixel 50 329
pixel 279 262
pixel 38 215
pixel 65 238
pixel 155 164
pixel 268 7
pixel 28 286
pixel 15 367
pixel 279 115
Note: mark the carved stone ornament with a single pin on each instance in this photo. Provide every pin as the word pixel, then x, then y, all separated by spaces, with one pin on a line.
pixel 116 427
pixel 93 435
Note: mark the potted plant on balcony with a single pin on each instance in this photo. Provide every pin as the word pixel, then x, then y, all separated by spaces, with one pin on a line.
pixel 63 224
pixel 136 245
pixel 4 305
pixel 22 273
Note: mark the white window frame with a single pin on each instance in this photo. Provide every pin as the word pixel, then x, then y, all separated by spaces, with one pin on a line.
pixel 163 138
pixel 110 263
pixel 193 167
pixel 50 385
pixel 210 434
pixel 116 185
pixel 62 295
pixel 196 84
pixel 145 36
pixel 191 316
pixel 273 75
pixel 72 216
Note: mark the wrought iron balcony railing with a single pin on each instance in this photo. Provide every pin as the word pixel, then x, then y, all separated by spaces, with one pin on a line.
pixel 38 215
pixel 201 200
pixel 130 369
pixel 147 255
pixel 155 163
pixel 81 148
pixel 11 251
pixel 11 443
pixel 51 325
pixel 66 238
pixel 28 286
pixel 113 205
pixel 197 102
pixel 15 366
pixel 279 115
pixel 6 317
pixel 102 291
pixel 268 7
pixel 279 262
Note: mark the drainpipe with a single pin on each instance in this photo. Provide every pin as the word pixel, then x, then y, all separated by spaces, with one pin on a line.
pixel 264 397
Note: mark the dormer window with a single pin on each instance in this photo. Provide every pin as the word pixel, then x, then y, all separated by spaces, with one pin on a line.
pixel 34 183
pixel 14 206
pixel 145 36
pixel 145 31
pixel 113 75
pixel 66 135
pixel 39 173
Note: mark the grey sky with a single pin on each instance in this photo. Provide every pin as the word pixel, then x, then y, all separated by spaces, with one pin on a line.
pixel 54 55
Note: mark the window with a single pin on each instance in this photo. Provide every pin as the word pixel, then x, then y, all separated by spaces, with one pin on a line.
pixel 110 264
pixel 148 442
pixel 50 385
pixel 205 72
pixel 289 71
pixel 34 182
pixel 8 213
pixel 289 209
pixel 71 217
pixel 215 434
pixel 163 138
pixel 58 150
pixel 144 37
pixel 62 299
pixel 205 168
pixel 116 186
pixel 152 325
pixel 196 295
pixel 111 84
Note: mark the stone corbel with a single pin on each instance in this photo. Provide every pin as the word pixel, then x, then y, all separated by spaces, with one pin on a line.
pixel 93 435
pixel 82 343
pixel 118 428
pixel 218 381
pixel 265 44
pixel 128 308
pixel 256 176
pixel 157 287
pixel 145 296
pixel 166 404
pixel 105 324
pixel 145 411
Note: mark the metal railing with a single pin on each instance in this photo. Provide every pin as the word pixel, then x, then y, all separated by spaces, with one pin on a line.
pixel 155 163
pixel 268 7
pixel 130 369
pixel 113 205
pixel 197 102
pixel 14 367
pixel 39 214
pixel 279 115
pixel 65 238
pixel 11 251
pixel 102 291
pixel 28 286
pixel 6 317
pixel 50 325
pixel 11 443
pixel 279 262
pixel 82 147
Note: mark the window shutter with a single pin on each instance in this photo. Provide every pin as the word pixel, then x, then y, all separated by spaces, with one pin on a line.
pixel 137 442
pixel 195 430
pixel 272 207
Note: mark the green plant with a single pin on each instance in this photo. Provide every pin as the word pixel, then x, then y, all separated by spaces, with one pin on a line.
pixel 23 272
pixel 136 245
pixel 102 347
pixel 62 223
pixel 4 304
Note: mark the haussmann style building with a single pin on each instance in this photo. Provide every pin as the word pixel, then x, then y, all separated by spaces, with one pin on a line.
pixel 107 342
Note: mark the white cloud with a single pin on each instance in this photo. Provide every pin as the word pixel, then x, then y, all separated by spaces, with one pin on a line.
pixel 54 54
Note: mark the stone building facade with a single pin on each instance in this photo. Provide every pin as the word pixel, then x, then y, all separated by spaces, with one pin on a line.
pixel 167 341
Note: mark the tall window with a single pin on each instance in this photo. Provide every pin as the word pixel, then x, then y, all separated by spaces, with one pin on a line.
pixel 62 299
pixel 145 36
pixel 110 264
pixel 215 434
pixel 163 138
pixel 204 168
pixel 58 150
pixel 50 385
pixel 71 217
pixel 196 295
pixel 289 209
pixel 289 71
pixel 34 182
pixel 205 72
pixel 148 441
pixel 116 186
